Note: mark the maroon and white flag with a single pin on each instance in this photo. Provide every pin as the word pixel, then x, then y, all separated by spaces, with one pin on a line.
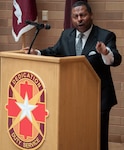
pixel 23 10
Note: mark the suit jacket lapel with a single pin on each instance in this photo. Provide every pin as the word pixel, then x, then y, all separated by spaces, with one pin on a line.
pixel 91 42
pixel 72 43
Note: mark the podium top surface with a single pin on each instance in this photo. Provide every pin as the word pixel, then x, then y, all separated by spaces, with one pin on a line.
pixel 19 54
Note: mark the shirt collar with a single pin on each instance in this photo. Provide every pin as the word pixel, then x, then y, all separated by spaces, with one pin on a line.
pixel 86 33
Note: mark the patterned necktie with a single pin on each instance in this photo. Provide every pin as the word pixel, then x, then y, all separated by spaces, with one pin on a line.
pixel 79 45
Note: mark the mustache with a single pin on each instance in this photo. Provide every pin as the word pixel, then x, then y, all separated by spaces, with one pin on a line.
pixel 81 24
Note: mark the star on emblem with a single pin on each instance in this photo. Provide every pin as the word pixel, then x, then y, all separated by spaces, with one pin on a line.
pixel 26 108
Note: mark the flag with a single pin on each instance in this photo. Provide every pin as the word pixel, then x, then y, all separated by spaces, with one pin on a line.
pixel 67 18
pixel 23 10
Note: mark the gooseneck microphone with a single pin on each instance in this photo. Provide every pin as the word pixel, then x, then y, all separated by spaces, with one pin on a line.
pixel 38 25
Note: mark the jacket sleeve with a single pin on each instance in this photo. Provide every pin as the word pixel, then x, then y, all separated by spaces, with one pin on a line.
pixel 110 42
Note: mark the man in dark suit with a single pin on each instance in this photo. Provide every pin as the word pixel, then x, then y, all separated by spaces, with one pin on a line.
pixel 99 47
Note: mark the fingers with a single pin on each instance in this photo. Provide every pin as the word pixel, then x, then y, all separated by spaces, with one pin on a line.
pixel 100 47
pixel 26 49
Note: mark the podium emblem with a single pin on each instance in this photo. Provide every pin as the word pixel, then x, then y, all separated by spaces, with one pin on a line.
pixel 26 110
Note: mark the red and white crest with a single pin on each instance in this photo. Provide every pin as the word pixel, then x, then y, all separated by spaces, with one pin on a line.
pixel 26 109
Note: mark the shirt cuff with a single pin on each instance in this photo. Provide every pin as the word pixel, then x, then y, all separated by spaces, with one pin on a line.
pixel 38 52
pixel 109 58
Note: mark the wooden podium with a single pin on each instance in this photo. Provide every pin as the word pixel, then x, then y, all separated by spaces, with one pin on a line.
pixel 72 99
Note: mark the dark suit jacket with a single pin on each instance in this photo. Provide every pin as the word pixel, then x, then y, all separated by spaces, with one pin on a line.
pixel 66 47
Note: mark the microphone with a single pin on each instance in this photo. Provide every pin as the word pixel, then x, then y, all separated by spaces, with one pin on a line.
pixel 38 25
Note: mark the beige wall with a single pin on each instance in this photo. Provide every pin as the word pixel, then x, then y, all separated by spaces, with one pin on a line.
pixel 108 14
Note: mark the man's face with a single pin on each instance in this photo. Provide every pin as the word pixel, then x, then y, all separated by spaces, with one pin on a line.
pixel 81 18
